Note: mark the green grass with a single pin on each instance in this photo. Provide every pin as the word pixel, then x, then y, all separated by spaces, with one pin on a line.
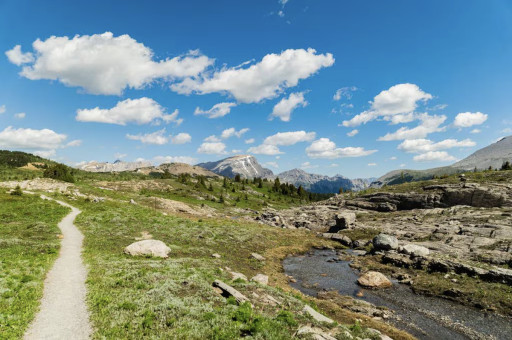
pixel 28 247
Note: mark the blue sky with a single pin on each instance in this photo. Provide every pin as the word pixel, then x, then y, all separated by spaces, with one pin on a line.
pixel 350 87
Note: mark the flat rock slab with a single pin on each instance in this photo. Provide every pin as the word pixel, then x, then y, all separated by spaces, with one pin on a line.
pixel 315 315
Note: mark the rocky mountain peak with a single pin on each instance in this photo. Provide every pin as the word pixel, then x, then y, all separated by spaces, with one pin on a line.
pixel 244 165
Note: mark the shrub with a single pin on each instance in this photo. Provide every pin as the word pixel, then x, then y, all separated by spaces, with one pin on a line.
pixel 17 191
pixel 59 172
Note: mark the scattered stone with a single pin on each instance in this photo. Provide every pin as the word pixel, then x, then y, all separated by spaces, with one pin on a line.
pixel 217 256
pixel 270 300
pixel 148 247
pixel 344 220
pixel 346 241
pixel 257 256
pixel 132 201
pixel 260 278
pixel 385 242
pixel 236 276
pixel 373 279
pixel 228 291
pixel 313 333
pixel 414 250
pixel 315 315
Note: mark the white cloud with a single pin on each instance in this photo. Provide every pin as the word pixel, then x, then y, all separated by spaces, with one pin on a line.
pixel 217 110
pixel 212 139
pixel 249 141
pixel 467 119
pixel 353 133
pixel 157 137
pixel 263 80
pixel 476 131
pixel 308 165
pixel 285 107
pixel 393 158
pixel 102 63
pixel 42 142
pixel 401 118
pixel 344 92
pixel 174 159
pixel 265 149
pixel 426 145
pixel 141 111
pixel 216 148
pixel 20 115
pixel 334 165
pixel 289 138
pixel 119 155
pixel 272 164
pixel 227 133
pixel 429 124
pixel 434 156
pixel 181 138
pixel 325 148
pixel 397 100
pixel 16 57
pixel 403 165
pixel 506 130
pixel 2 109
pixel 76 142
pixel 372 164
pixel 283 2
pixel 237 151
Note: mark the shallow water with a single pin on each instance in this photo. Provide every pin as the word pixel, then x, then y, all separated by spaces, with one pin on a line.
pixel 422 316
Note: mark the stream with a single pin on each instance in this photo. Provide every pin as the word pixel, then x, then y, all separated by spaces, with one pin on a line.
pixel 425 317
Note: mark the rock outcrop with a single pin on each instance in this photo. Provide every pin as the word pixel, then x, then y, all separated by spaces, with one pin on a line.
pixel 373 279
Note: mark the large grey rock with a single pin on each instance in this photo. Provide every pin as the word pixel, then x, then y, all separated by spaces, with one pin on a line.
pixel 149 248
pixel 385 242
pixel 313 333
pixel 373 279
pixel 260 278
pixel 345 240
pixel 345 220
pixel 414 250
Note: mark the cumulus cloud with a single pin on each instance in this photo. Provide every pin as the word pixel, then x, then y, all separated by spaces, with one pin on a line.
pixel 140 111
pixel 476 131
pixel 467 119
pixel 216 111
pixel 265 149
pixel 2 109
pixel 181 138
pixel 426 145
pixel 249 141
pixel 272 164
pixel 434 156
pixel 289 138
pixel 157 137
pixel 325 148
pixel 16 57
pixel 227 133
pixel 212 139
pixel 271 143
pixel 285 107
pixel 429 124
pixel 344 92
pixel 42 142
pixel 20 115
pixel 353 133
pixel 217 148
pixel 308 165
pixel 102 63
pixel 263 80
pixel 397 100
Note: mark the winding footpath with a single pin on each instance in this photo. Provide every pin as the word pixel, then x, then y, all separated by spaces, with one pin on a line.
pixel 63 312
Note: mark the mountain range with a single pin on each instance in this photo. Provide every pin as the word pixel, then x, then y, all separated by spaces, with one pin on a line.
pixel 248 167
pixel 493 155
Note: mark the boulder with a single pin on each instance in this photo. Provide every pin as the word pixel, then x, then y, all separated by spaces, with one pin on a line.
pixel 149 248
pixel 374 280
pixel 385 242
pixel 216 256
pixel 345 220
pixel 313 333
pixel 345 240
pixel 260 278
pixel 414 250
pixel 228 291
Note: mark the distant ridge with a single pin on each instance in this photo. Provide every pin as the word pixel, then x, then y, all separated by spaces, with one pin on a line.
pixel 244 165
